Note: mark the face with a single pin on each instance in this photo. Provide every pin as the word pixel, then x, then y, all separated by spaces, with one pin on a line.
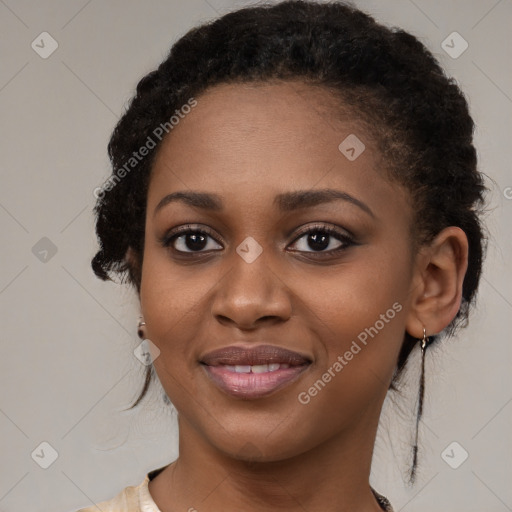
pixel 318 282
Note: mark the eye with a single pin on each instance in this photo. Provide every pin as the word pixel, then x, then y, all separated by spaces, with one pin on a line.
pixel 322 237
pixel 185 239
pixel 188 240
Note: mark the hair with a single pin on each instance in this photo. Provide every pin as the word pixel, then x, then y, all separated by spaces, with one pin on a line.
pixel 417 116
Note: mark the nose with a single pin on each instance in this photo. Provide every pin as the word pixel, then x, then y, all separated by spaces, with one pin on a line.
pixel 251 294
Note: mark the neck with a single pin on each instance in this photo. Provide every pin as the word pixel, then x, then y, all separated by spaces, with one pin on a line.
pixel 332 477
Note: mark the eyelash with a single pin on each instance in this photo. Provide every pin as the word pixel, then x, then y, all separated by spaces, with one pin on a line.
pixel 346 240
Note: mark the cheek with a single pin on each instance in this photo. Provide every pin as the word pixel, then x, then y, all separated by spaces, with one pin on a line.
pixel 169 292
pixel 170 302
pixel 166 298
pixel 359 291
pixel 363 303
pixel 174 303
pixel 360 319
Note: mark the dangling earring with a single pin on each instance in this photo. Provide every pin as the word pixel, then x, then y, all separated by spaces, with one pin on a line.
pixel 140 331
pixel 421 393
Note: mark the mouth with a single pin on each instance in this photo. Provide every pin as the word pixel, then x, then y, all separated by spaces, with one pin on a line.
pixel 253 373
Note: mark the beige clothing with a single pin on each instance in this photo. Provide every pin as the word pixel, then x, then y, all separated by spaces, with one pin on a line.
pixel 130 499
pixel 138 499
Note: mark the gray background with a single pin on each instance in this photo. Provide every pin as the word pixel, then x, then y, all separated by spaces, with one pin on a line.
pixel 67 368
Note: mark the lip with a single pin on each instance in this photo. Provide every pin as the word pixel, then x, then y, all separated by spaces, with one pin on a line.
pixel 262 354
pixel 220 364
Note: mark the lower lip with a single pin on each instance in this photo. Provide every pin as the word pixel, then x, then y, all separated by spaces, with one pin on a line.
pixel 252 385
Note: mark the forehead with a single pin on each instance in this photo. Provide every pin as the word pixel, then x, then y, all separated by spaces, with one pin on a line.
pixel 255 139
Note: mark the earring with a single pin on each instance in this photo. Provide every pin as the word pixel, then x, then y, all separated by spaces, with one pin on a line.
pixel 140 331
pixel 421 392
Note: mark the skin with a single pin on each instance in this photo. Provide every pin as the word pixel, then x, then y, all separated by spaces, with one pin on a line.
pixel 248 143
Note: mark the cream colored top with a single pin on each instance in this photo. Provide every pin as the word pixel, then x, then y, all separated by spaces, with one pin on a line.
pixel 130 499
pixel 138 499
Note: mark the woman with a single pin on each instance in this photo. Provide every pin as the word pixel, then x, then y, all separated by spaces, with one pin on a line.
pixel 295 199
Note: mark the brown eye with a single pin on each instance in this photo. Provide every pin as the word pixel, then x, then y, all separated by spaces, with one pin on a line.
pixel 323 239
pixel 188 240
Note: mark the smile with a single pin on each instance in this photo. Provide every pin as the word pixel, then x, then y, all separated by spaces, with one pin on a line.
pixel 260 371
pixel 256 368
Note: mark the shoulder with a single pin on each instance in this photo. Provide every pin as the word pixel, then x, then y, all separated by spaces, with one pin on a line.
pixel 130 499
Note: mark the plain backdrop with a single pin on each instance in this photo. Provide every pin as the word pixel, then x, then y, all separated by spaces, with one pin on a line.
pixel 67 366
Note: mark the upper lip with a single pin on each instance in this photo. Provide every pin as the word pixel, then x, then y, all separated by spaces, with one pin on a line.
pixel 262 354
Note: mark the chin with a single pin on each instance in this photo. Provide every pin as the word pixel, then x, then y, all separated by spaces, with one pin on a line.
pixel 257 444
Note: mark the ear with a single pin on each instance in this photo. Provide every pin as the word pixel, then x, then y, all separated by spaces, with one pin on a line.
pixel 436 292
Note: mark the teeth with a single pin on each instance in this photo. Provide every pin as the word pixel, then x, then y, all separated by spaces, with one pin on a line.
pixel 256 368
pixel 242 368
pixel 262 368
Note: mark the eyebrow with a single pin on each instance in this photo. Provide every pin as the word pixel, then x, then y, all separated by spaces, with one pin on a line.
pixel 286 202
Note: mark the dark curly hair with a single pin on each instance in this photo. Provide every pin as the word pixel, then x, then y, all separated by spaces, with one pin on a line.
pixel 386 77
